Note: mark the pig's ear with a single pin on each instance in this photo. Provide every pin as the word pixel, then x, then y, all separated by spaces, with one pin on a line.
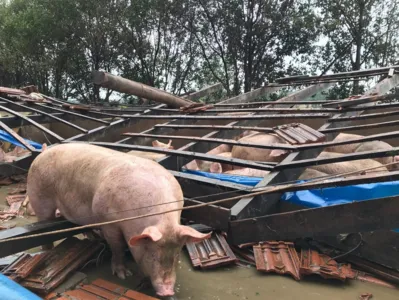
pixel 216 168
pixel 151 233
pixel 278 153
pixel 190 235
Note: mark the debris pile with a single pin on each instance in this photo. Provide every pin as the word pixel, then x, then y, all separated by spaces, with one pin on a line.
pixel 43 272
pixel 275 257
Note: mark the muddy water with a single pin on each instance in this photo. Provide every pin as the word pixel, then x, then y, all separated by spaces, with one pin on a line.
pixel 248 284
pixel 235 282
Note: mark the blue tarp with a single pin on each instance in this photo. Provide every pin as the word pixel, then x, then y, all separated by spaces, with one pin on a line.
pixel 4 136
pixel 10 290
pixel 250 181
pixel 320 197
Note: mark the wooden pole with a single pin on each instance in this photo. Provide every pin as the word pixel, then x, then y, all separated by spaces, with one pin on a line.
pixel 130 87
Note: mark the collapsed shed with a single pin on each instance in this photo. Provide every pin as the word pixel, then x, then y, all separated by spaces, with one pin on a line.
pixel 248 217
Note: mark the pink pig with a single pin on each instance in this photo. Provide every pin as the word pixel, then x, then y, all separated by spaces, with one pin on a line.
pixel 90 184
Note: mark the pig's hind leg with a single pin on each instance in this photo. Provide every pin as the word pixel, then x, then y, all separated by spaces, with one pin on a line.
pixel 44 210
pixel 115 239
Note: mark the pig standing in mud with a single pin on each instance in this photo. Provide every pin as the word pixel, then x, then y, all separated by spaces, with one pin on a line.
pixel 90 184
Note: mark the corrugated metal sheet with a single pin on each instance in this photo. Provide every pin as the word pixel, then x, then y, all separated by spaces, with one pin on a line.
pixel 277 257
pixel 210 253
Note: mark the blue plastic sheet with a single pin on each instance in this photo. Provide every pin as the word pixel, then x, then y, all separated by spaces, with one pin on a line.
pixel 320 197
pixel 10 290
pixel 250 181
pixel 4 136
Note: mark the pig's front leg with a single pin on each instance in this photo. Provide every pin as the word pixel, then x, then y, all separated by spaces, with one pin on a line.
pixel 114 237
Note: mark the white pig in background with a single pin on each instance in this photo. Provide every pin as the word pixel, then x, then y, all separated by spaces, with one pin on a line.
pixel 151 155
pixel 90 184
pixel 363 147
pixel 257 154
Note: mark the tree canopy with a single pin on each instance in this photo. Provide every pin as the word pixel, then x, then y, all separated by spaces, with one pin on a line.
pixel 181 45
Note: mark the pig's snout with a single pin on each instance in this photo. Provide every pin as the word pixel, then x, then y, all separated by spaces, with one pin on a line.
pixel 164 289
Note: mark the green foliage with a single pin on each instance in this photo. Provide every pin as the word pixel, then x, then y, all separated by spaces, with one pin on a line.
pixel 182 45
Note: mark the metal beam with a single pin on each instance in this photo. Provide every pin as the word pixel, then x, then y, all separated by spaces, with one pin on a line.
pixel 360 216
pixel 112 129
pixel 231 117
pixel 205 92
pixel 34 123
pixel 213 140
pixel 262 205
pixel 190 155
pixel 214 127
pixel 52 109
pixel 175 164
pixel 27 108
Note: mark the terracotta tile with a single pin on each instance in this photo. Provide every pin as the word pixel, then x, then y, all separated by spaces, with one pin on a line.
pixel 138 296
pixel 81 295
pixel 109 286
pixel 277 257
pixel 100 292
pixel 211 253
pixel 313 262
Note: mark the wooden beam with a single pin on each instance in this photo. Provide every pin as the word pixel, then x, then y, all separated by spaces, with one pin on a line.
pixel 360 216
pixel 130 87
pixel 262 205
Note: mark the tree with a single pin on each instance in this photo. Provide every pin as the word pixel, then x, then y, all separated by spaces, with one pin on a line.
pixel 360 33
pixel 245 43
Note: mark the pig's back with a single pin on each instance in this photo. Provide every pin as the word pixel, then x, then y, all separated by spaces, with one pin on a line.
pixel 72 174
